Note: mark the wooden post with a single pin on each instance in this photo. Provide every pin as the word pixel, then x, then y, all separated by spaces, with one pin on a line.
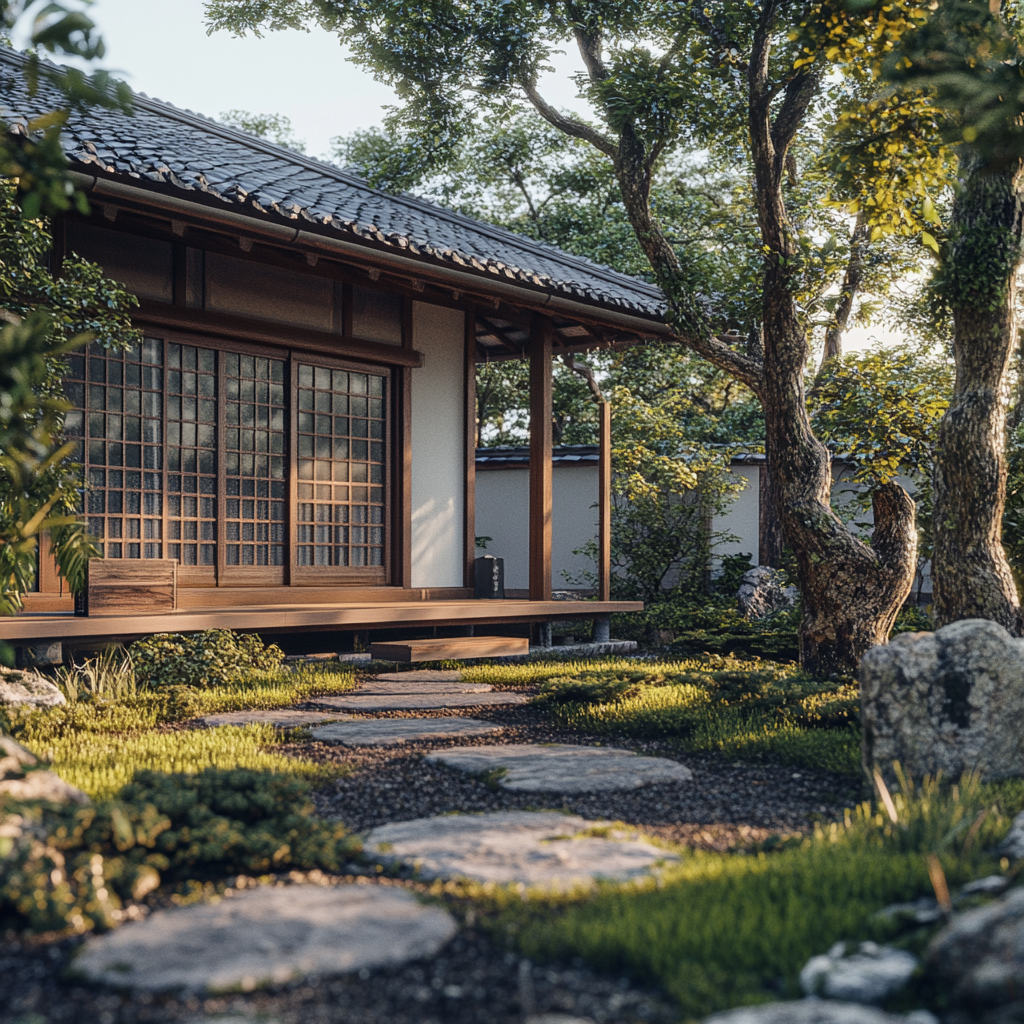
pixel 540 459
pixel 604 505
pixel 469 436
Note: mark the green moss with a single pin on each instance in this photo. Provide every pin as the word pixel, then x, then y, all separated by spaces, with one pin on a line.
pixel 754 709
pixel 98 742
pixel 725 930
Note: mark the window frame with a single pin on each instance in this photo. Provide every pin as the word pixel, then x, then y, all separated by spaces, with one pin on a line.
pixel 222 575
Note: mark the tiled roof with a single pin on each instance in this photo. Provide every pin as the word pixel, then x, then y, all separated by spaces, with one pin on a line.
pixel 511 455
pixel 163 145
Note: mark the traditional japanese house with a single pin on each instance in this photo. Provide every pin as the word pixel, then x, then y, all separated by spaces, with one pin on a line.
pixel 292 445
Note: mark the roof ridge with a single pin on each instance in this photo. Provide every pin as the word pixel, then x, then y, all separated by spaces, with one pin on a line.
pixel 205 123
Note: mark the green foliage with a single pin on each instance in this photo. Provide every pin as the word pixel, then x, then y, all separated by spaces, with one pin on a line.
pixel 110 727
pixel 882 410
pixel 590 688
pixel 727 930
pixel 64 867
pixel 749 709
pixel 215 657
pixel 47 317
pixel 275 128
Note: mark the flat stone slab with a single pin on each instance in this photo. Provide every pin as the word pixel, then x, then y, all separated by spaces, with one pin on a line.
pixel 540 848
pixel 386 689
pixel 286 718
pixel 564 768
pixel 420 675
pixel 369 732
pixel 268 935
pixel 420 701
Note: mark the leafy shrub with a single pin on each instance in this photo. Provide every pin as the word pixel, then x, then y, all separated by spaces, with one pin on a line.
pixel 590 688
pixel 216 657
pixel 64 867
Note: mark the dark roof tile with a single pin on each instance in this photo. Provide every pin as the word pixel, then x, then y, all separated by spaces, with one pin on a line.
pixel 165 145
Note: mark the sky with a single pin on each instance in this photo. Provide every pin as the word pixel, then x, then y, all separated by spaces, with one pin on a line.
pixel 160 47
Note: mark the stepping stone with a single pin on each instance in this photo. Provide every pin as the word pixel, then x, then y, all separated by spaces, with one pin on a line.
pixel 420 701
pixel 564 768
pixel 285 718
pixel 401 689
pixel 420 675
pixel 542 848
pixel 367 732
pixel 268 935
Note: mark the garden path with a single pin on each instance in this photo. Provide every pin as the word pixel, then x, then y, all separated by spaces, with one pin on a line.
pixel 447 779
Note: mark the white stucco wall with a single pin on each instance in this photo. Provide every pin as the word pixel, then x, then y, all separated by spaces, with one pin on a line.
pixel 503 513
pixel 438 452
pixel 742 517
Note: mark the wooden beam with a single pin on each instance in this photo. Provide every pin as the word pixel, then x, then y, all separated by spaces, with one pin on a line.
pixel 229 326
pixel 540 459
pixel 469 441
pixel 604 505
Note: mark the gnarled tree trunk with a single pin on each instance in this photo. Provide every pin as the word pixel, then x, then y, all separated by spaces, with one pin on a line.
pixel 851 591
pixel 971 574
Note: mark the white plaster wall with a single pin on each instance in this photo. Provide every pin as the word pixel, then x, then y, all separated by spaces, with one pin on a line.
pixel 503 513
pixel 742 517
pixel 438 446
pixel 573 522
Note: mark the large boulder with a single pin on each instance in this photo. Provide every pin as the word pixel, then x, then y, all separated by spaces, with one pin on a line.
pixel 947 701
pixel 23 778
pixel 763 590
pixel 23 688
pixel 978 958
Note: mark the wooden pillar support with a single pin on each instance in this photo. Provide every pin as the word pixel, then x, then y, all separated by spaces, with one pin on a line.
pixel 540 459
pixel 604 504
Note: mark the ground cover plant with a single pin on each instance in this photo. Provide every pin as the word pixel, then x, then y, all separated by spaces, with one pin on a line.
pixel 66 867
pixel 743 708
pixel 720 930
pixel 113 725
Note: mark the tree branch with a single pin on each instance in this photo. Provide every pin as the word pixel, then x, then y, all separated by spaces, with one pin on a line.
pixel 568 125
pixel 718 352
pixel 587 373
pixel 798 95
pixel 589 43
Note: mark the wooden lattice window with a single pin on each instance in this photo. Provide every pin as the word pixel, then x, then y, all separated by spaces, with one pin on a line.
pixel 254 457
pixel 192 454
pixel 186 452
pixel 118 423
pixel 341 462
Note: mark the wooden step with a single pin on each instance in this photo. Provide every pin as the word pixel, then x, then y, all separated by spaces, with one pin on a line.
pixel 455 647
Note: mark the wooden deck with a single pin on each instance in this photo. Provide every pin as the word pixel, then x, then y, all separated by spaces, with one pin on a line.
pixel 294 618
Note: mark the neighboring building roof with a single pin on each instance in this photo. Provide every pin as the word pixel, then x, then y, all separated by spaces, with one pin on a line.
pixel 512 457
pixel 161 145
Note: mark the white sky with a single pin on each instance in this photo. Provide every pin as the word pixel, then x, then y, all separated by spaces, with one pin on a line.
pixel 160 47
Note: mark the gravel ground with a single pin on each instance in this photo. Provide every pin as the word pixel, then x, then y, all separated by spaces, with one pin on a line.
pixel 727 804
pixel 473 980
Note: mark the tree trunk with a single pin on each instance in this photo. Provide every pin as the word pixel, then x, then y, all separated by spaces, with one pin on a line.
pixel 972 576
pixel 852 278
pixel 770 541
pixel 851 591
